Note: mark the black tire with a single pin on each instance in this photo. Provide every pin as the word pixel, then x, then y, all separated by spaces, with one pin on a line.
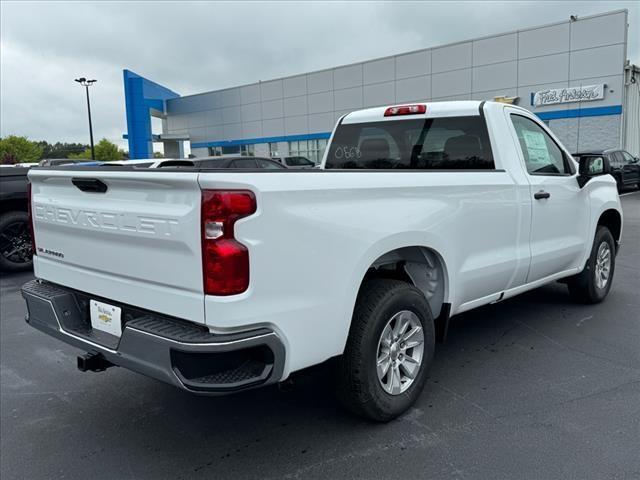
pixel 15 233
pixel 358 386
pixel 583 287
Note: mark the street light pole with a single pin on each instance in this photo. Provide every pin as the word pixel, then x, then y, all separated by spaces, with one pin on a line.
pixel 86 84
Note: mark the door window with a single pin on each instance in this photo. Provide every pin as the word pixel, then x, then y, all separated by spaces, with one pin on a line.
pixel 618 159
pixel 542 155
pixel 244 163
pixel 268 165
pixel 628 158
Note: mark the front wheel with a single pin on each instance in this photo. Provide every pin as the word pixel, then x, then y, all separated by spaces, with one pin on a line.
pixel 389 350
pixel 593 284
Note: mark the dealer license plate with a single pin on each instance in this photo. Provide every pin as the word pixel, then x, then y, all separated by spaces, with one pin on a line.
pixel 105 317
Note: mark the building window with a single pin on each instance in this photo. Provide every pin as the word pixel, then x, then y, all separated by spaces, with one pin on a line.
pixel 231 150
pixel 247 150
pixel 273 150
pixel 215 151
pixel 311 149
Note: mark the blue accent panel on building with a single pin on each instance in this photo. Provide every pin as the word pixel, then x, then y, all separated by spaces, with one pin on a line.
pixel 140 96
pixel 581 112
pixel 251 141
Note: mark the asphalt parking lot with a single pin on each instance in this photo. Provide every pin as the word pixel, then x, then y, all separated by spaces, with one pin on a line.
pixel 535 387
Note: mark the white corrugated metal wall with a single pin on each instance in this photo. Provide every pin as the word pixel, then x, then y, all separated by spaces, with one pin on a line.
pixel 631 110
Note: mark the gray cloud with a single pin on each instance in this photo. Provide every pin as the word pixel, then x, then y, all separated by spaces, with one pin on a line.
pixel 195 47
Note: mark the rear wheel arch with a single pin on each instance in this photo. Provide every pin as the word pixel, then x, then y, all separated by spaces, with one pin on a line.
pixel 420 266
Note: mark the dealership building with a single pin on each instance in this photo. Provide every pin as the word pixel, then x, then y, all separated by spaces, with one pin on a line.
pixel 573 74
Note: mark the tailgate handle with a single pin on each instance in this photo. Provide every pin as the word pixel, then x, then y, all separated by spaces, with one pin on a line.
pixel 93 185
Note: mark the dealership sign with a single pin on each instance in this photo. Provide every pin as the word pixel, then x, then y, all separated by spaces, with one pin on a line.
pixel 568 95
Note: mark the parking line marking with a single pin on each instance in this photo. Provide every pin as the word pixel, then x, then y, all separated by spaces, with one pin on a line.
pixel 629 193
pixel 582 320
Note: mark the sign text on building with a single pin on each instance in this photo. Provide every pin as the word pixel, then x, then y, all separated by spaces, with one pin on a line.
pixel 567 95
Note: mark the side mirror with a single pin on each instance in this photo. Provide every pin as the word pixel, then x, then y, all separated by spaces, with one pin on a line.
pixel 590 167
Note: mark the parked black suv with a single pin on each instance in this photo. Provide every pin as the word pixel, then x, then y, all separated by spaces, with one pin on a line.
pixel 624 167
pixel 15 235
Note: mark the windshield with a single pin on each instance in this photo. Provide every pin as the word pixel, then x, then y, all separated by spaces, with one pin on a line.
pixel 299 162
pixel 429 144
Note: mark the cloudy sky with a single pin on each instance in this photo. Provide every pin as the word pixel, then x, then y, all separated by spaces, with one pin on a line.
pixel 196 47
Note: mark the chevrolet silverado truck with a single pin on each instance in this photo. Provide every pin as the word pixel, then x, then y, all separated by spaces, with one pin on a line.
pixel 217 281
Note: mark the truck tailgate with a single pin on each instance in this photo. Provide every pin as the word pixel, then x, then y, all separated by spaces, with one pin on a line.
pixel 138 242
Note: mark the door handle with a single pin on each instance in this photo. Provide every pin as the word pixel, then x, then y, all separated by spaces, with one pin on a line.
pixel 92 185
pixel 541 194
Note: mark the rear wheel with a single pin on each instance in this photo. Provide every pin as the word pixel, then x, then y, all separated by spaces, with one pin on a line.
pixel 389 350
pixel 593 284
pixel 15 242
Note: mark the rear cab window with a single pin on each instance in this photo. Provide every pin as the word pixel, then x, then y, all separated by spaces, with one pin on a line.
pixel 446 143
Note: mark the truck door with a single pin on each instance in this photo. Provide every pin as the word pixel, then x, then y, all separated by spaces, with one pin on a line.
pixel 560 209
pixel 630 168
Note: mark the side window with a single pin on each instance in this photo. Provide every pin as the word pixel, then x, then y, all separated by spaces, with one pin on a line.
pixel 628 158
pixel 542 155
pixel 210 163
pixel 616 159
pixel 268 165
pixel 244 163
pixel 613 160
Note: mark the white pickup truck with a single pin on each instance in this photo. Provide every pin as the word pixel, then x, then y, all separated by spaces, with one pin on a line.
pixel 220 280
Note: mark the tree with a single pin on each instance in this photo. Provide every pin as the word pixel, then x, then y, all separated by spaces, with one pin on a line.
pixel 105 151
pixel 60 149
pixel 14 149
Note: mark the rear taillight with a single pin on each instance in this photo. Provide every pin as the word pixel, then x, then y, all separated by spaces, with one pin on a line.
pixel 225 261
pixel 30 214
pixel 405 110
